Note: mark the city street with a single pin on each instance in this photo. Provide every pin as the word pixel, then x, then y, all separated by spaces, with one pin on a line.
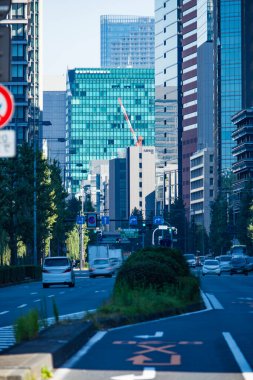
pixel 17 300
pixel 211 344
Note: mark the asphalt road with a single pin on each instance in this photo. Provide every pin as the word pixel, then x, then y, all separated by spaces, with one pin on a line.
pixel 207 345
pixel 88 294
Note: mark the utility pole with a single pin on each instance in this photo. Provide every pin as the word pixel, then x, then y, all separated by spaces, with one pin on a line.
pixel 81 228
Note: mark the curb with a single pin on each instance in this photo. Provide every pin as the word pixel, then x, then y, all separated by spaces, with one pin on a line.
pixel 50 350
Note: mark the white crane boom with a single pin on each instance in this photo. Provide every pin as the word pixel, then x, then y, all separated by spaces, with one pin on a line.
pixel 136 142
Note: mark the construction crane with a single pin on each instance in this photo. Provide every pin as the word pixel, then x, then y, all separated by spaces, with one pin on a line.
pixel 137 142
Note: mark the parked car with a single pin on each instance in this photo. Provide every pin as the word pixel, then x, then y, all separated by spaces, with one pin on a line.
pixel 190 259
pixel 225 261
pixel 238 265
pixel 57 271
pixel 101 267
pixel 211 267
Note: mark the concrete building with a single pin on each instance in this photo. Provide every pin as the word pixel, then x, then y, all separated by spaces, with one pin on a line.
pixel 140 180
pixel 24 20
pixel 168 51
pixel 127 41
pixel 96 127
pixel 202 187
pixel 54 135
pixel 243 150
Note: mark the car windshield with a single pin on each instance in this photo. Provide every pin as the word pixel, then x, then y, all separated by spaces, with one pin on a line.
pixel 189 256
pixel 101 262
pixel 56 262
pixel 211 262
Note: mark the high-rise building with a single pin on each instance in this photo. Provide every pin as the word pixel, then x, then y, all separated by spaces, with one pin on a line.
pixel 168 46
pixel 233 75
pixel 54 135
pixel 127 41
pixel 24 21
pixel 96 127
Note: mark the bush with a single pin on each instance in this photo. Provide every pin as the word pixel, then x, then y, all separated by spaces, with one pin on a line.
pixel 156 267
pixel 27 326
pixel 16 274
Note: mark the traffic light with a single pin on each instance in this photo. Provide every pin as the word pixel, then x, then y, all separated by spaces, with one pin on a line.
pixel 99 235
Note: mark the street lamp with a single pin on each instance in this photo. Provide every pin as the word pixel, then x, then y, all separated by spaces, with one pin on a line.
pixel 35 138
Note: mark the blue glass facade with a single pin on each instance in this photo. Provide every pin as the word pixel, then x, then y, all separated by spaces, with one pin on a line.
pixel 96 127
pixel 24 21
pixel 127 41
pixel 229 74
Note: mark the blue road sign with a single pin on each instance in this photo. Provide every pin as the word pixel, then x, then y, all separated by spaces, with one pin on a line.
pixel 105 220
pixel 133 220
pixel 158 220
pixel 80 219
pixel 91 220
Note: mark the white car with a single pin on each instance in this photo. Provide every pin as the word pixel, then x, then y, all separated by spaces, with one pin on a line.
pixel 190 259
pixel 211 266
pixel 101 267
pixel 57 270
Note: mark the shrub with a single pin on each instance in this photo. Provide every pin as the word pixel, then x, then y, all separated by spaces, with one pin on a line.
pixel 27 326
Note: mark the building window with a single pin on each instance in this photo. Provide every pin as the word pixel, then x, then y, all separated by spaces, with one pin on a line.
pixel 140 165
pixel 164 42
pixel 211 193
pixel 140 155
pixel 140 175
pixel 164 5
pixel 164 55
pixel 110 142
pixel 165 134
pixel 140 184
pixel 140 204
pixel 211 169
pixel 164 17
pixel 140 194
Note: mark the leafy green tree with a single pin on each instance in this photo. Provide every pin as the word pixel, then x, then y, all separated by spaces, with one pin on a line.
pixel 244 217
pixel 220 237
pixel 177 218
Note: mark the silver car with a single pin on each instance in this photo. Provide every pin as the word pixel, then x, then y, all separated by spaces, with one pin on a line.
pixel 57 270
pixel 225 261
pixel 101 267
pixel 211 267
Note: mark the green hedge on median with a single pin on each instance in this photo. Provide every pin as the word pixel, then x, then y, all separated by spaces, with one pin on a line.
pixel 17 274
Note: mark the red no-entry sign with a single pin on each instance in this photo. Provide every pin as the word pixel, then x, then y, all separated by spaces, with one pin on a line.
pixel 6 106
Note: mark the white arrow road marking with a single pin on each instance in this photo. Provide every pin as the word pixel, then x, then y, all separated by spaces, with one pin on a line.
pixel 148 374
pixel 158 334
pixel 239 357
pixel 216 304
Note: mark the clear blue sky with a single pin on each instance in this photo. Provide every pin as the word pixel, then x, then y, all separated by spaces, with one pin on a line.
pixel 71 30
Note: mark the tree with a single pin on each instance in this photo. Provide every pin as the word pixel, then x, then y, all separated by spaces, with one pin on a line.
pixel 220 238
pixel 177 218
pixel 245 216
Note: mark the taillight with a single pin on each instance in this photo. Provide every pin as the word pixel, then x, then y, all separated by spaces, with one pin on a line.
pixel 67 270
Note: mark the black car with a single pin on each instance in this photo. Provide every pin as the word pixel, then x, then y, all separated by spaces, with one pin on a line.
pixel 238 265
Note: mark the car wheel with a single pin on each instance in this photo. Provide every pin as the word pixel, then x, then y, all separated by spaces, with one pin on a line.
pixel 45 286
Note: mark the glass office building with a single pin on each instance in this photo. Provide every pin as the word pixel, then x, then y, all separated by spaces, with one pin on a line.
pixel 228 76
pixel 96 127
pixel 127 41
pixel 24 21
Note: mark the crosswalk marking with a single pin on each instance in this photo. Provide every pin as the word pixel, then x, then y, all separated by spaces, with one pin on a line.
pixel 7 337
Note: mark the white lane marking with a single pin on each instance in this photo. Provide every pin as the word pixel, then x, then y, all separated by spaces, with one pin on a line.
pixel 38 300
pixel 33 293
pixel 206 301
pixel 62 293
pixel 62 372
pixel 100 291
pixel 158 334
pixel 216 304
pixel 21 306
pixel 245 298
pixel 51 295
pixel 148 373
pixel 4 312
pixel 239 358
